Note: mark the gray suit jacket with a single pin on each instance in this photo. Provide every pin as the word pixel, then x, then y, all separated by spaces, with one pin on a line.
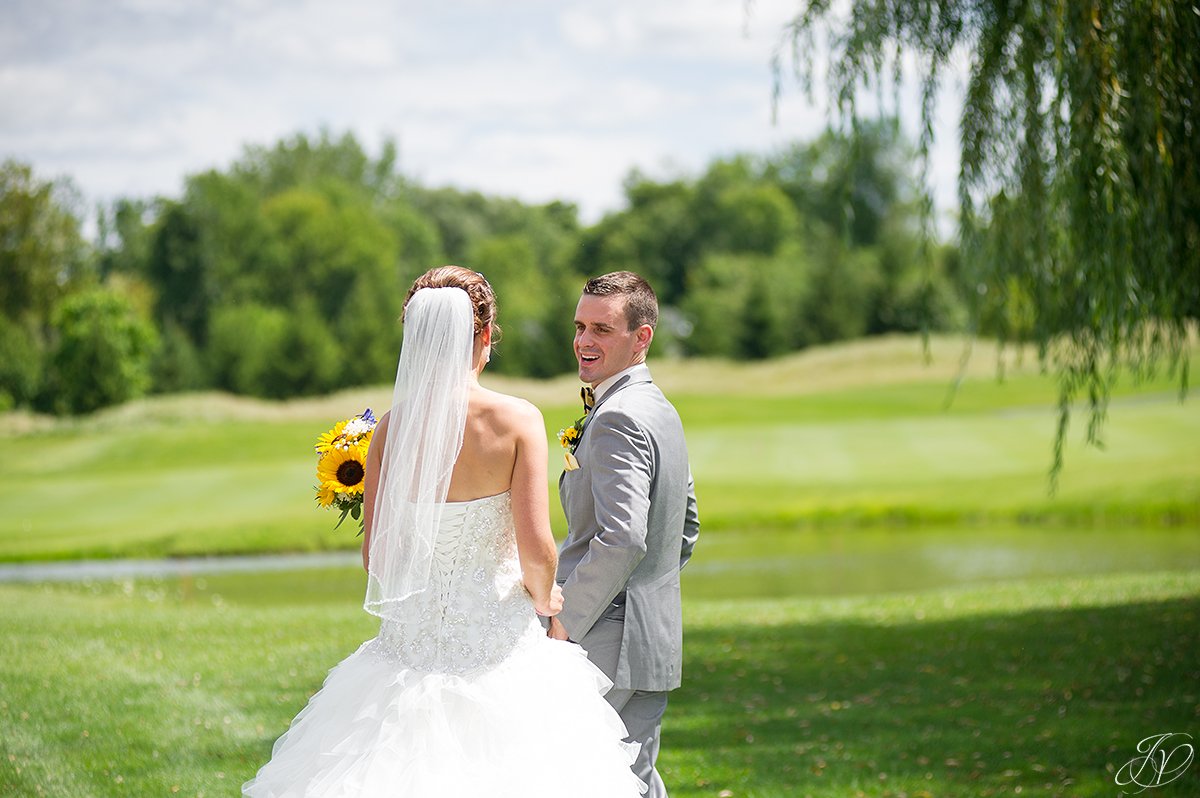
pixel 631 526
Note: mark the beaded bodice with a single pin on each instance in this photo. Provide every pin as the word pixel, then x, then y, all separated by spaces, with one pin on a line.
pixel 476 608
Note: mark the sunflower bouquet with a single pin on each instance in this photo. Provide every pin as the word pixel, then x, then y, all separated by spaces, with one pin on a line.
pixel 341 466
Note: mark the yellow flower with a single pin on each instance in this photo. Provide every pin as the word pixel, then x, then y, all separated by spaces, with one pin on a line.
pixel 328 439
pixel 568 436
pixel 343 470
pixel 341 466
pixel 325 494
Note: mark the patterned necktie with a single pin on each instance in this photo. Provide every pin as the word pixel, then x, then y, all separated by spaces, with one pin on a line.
pixel 589 398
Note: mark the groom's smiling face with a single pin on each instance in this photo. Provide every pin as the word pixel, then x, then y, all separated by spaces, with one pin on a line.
pixel 604 344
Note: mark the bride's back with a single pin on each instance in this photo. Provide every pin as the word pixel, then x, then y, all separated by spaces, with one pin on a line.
pixel 476 608
pixel 489 448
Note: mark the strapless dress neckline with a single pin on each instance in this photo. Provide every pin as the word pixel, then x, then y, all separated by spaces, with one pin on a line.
pixel 480 500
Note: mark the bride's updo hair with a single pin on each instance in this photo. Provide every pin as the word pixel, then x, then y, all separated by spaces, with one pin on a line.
pixel 483 298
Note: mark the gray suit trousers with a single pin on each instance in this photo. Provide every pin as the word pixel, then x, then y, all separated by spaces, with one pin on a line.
pixel 640 710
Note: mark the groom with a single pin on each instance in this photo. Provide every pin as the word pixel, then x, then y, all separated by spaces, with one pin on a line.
pixel 631 515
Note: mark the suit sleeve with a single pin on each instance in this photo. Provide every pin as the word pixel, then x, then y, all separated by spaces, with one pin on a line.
pixel 691 525
pixel 622 465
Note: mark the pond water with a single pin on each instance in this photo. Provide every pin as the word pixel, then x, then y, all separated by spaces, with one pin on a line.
pixel 778 563
pixel 840 561
pixel 96 570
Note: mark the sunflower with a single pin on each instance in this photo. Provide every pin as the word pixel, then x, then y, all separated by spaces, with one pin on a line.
pixel 343 470
pixel 341 466
pixel 325 494
pixel 328 440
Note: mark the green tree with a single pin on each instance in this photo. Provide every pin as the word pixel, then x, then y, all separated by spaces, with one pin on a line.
pixel 177 364
pixel 844 284
pixel 102 354
pixel 210 248
pixel 308 235
pixel 323 244
pixel 43 257
pixel 21 365
pixel 714 302
pixel 244 342
pixel 860 187
pixel 755 241
pixel 417 237
pixel 857 183
pixel 525 252
pixel 764 323
pixel 304 160
pixel 658 236
pixel 265 351
pixel 309 359
pixel 1080 119
pixel 747 214
pixel 534 306
pixel 744 305
pixel 42 252
pixel 126 236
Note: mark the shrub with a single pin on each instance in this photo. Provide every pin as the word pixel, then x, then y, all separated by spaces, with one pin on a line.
pixel 102 353
pixel 20 365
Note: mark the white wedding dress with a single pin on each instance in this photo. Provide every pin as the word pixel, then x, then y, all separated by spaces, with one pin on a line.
pixel 464 697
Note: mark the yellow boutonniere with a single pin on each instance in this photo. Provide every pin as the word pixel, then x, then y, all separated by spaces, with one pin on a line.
pixel 569 439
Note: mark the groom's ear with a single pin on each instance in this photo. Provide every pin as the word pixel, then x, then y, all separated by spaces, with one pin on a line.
pixel 643 335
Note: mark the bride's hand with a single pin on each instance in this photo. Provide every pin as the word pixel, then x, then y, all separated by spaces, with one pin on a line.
pixel 557 631
pixel 554 605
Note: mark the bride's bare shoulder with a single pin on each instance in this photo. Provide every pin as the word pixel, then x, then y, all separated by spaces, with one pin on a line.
pixel 381 426
pixel 508 410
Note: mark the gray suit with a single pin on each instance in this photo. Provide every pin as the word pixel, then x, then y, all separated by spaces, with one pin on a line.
pixel 632 524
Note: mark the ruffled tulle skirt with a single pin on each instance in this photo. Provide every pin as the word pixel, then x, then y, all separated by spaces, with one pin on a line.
pixel 535 725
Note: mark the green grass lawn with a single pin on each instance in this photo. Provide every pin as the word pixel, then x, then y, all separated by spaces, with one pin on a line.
pixel 857 434
pixel 1040 687
pixel 162 687
pixel 985 639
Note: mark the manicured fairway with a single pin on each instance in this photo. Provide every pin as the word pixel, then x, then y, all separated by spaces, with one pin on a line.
pixel 850 435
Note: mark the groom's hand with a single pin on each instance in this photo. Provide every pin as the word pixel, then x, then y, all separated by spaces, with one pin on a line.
pixel 557 630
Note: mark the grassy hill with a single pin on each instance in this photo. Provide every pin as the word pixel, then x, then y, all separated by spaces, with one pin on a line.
pixel 859 433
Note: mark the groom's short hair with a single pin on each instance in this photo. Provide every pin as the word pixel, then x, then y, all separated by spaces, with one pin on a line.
pixel 641 305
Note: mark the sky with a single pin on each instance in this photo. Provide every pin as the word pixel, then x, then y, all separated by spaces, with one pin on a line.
pixel 539 100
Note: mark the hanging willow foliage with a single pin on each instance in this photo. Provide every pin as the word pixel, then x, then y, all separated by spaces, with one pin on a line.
pixel 1080 170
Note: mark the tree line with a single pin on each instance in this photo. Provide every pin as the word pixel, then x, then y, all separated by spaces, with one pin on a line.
pixel 283 274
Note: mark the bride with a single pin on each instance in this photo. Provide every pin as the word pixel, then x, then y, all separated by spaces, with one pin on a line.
pixel 461 693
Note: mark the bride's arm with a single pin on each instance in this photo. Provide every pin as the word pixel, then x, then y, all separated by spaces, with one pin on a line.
pixel 371 483
pixel 531 514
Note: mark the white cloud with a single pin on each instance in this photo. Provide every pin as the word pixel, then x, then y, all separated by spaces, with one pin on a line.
pixel 537 99
pixel 697 29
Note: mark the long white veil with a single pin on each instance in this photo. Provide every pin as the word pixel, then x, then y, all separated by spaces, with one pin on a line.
pixel 424 437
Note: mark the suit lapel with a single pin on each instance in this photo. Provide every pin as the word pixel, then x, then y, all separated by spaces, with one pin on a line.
pixel 636 375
